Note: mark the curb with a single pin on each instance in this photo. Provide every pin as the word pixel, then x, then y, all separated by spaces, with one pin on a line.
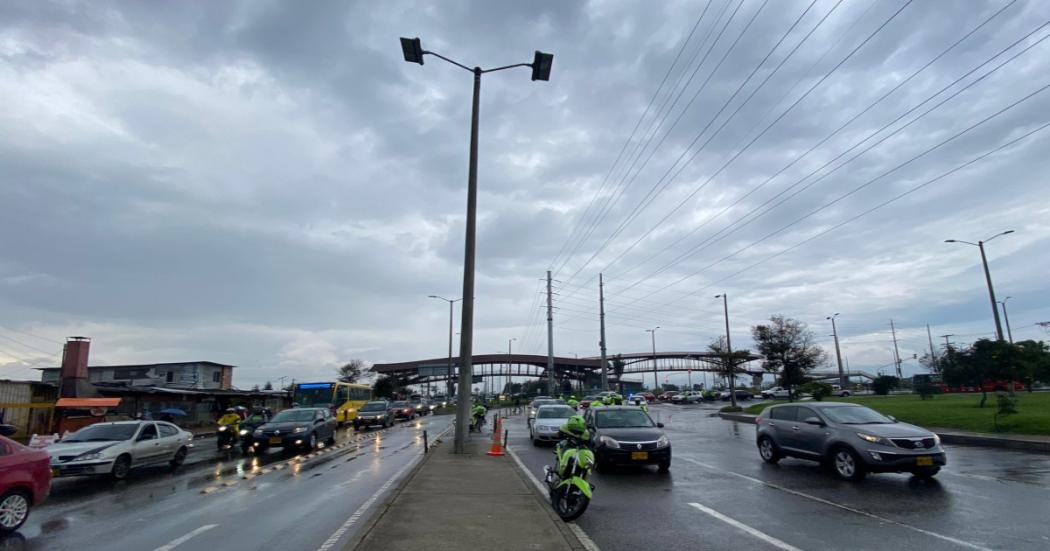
pixel 563 527
pixel 949 437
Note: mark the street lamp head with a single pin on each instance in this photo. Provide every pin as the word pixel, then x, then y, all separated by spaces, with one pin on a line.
pixel 718 296
pixel 541 65
pixel 412 49
pixel 950 241
pixel 433 296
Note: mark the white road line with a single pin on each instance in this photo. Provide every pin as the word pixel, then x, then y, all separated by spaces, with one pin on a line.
pixel 741 526
pixel 338 534
pixel 838 505
pixel 179 541
pixel 586 540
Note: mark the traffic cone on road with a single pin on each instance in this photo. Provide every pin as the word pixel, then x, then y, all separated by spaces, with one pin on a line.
pixel 497 445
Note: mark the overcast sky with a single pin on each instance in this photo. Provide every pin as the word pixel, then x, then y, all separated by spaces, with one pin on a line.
pixel 269 184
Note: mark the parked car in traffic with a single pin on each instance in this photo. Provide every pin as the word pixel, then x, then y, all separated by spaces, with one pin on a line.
pixel 296 428
pixel 404 410
pixel 376 413
pixel 116 448
pixel 420 404
pixel 549 419
pixel 688 397
pixel 740 395
pixel 531 414
pixel 667 396
pixel 837 390
pixel 852 439
pixel 626 435
pixel 586 401
pixel 776 393
pixel 25 480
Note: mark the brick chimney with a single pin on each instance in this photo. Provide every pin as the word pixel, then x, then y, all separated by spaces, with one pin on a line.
pixel 73 379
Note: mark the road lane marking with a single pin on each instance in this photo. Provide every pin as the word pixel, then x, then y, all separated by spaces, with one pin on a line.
pixel 741 526
pixel 585 540
pixel 178 541
pixel 338 534
pixel 838 505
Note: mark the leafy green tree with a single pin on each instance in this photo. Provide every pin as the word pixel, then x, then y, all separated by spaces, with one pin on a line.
pixel 387 386
pixel 617 368
pixel 817 390
pixel 350 372
pixel 1034 359
pixel 268 386
pixel 789 349
pixel 728 362
pixel 883 384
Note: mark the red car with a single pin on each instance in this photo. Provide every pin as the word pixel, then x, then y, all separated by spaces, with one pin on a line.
pixel 25 480
pixel 403 410
pixel 649 397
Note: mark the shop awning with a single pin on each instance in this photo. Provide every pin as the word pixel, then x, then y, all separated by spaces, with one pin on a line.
pixel 87 402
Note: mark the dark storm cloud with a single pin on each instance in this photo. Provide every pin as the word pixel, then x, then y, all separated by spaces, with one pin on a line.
pixel 269 184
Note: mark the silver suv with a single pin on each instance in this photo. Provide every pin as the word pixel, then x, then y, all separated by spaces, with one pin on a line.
pixel 851 439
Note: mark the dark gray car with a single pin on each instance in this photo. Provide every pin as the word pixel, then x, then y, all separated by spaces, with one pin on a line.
pixel 851 439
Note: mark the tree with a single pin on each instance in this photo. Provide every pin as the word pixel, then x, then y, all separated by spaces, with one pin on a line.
pixel 255 388
pixel 1034 359
pixel 817 390
pixel 789 349
pixel 268 386
pixel 727 364
pixel 387 386
pixel 985 362
pixel 350 372
pixel 883 384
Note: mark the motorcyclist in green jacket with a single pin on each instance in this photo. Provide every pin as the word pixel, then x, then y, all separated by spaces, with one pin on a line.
pixel 477 415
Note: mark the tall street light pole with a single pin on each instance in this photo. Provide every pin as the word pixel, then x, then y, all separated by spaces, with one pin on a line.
pixel 448 374
pixel 413 51
pixel 987 277
pixel 1006 318
pixel 729 351
pixel 510 353
pixel 656 377
pixel 838 353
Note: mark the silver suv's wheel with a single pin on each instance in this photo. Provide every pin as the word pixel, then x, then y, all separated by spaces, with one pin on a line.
pixel 847 465
pixel 768 450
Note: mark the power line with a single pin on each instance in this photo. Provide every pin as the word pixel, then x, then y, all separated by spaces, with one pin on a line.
pixel 29 346
pixel 605 180
pixel 28 334
pixel 743 223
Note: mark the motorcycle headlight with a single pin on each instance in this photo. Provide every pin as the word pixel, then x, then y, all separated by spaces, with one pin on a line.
pixel 609 442
pixel 874 439
pixel 244 432
pixel 297 430
pixel 663 442
pixel 223 428
pixel 88 457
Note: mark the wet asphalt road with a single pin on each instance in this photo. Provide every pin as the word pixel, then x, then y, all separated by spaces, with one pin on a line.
pixel 275 501
pixel 984 499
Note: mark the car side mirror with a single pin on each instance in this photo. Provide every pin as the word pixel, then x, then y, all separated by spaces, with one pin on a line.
pixel 659 425
pixel 814 421
pixel 892 418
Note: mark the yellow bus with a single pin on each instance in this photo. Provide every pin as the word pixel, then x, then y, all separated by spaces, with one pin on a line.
pixel 344 399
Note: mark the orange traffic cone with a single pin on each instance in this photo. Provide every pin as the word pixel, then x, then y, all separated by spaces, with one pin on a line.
pixel 497 445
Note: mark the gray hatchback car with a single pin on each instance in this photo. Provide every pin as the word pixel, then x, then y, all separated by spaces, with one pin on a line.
pixel 851 439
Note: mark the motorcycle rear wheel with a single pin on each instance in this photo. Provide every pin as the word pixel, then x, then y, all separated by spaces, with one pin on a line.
pixel 569 505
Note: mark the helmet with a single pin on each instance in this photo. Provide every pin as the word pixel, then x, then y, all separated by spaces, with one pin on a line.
pixel 608 400
pixel 572 402
pixel 231 410
pixel 574 426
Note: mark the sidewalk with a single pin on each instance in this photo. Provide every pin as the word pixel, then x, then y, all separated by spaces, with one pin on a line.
pixel 469 501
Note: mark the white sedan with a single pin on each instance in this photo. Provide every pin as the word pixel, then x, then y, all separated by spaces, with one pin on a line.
pixel 116 448
pixel 548 420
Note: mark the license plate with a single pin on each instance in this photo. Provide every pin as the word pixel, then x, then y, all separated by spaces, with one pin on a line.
pixel 639 456
pixel 275 440
pixel 924 461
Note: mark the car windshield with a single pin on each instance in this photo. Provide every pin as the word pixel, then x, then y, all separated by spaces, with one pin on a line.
pixel 399 405
pixel 555 412
pixel 103 433
pixel 374 406
pixel 293 416
pixel 539 403
pixel 621 419
pixel 855 415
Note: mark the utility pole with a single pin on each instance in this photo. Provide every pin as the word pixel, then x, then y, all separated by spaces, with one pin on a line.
pixel 838 353
pixel 601 321
pixel 656 380
pixel 988 279
pixel 896 351
pixel 946 343
pixel 729 352
pixel 1006 317
pixel 550 337
pixel 933 353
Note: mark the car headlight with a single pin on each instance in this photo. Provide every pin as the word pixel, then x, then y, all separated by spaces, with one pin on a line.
pixel 297 430
pixel 244 432
pixel 874 439
pixel 663 442
pixel 258 432
pixel 609 442
pixel 88 457
pixel 936 440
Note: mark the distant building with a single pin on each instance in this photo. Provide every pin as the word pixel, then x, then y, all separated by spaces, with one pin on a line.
pixel 183 375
